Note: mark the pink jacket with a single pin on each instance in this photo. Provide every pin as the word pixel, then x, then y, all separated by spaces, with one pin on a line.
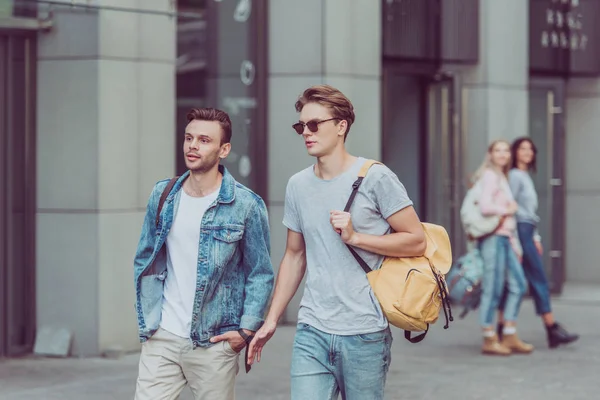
pixel 496 196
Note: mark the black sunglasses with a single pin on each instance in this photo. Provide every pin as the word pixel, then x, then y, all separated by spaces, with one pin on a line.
pixel 313 125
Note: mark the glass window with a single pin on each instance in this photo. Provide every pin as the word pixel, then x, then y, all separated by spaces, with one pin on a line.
pixel 221 63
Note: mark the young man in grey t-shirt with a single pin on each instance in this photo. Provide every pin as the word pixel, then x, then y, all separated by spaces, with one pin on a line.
pixel 343 341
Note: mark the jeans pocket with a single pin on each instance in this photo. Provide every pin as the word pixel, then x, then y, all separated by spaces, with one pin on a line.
pixel 373 337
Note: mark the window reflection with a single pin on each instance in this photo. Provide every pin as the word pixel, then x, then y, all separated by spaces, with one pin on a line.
pixel 219 65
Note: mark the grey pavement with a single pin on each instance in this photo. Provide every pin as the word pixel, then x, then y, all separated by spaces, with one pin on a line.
pixel 447 365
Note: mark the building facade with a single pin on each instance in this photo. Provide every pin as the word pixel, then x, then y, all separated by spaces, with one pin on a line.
pixel 94 96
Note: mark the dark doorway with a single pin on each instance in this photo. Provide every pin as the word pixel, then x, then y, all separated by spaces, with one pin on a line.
pixel 17 193
pixel 422 143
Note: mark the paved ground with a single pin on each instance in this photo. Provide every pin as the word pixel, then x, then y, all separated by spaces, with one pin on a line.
pixel 446 366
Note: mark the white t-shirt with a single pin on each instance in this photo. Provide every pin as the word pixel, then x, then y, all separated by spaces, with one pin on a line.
pixel 182 263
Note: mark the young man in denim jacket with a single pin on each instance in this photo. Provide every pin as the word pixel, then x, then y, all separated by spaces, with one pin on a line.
pixel 203 274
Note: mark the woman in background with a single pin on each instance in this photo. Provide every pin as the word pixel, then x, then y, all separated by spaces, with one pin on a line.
pixel 522 187
pixel 501 264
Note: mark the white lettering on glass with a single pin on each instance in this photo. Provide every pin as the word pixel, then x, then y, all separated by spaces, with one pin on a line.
pixel 574 41
pixel 545 39
pixel 564 29
pixel 554 39
pixel 564 42
pixel 583 42
pixel 550 17
pixel 559 19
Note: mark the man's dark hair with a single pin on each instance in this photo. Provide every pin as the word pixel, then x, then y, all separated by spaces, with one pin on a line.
pixel 515 148
pixel 213 114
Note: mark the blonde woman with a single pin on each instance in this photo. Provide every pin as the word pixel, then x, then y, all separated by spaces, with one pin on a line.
pixel 501 264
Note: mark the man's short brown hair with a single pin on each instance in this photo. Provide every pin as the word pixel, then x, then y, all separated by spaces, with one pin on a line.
pixel 213 114
pixel 331 98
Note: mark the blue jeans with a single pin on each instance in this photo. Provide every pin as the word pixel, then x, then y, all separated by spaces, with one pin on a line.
pixel 501 266
pixel 325 365
pixel 533 266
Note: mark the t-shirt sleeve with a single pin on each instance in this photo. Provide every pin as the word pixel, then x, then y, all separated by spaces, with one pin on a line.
pixel 291 218
pixel 388 192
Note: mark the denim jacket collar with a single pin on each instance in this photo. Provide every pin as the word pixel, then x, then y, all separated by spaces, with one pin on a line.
pixel 226 193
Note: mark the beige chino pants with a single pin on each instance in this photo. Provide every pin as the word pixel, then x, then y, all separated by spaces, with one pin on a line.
pixel 168 362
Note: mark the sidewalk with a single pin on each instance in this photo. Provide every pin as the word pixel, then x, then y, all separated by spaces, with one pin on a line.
pixel 446 366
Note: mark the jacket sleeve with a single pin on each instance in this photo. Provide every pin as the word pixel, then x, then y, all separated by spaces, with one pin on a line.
pixel 257 266
pixel 146 243
pixel 490 185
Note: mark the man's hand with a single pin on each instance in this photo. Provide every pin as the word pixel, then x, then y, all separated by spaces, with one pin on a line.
pixel 261 338
pixel 342 223
pixel 235 340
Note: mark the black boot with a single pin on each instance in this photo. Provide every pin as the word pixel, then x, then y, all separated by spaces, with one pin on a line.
pixel 558 335
pixel 500 330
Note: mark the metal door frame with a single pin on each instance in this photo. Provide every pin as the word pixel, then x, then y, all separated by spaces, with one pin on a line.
pixel 454 189
pixel 7 43
pixel 557 175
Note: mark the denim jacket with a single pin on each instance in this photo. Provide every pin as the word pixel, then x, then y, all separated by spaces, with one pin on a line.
pixel 234 276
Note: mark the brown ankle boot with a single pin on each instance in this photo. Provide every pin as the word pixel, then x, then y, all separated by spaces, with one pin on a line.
pixel 516 345
pixel 492 347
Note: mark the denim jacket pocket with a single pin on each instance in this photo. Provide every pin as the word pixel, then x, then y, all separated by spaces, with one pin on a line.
pixel 226 243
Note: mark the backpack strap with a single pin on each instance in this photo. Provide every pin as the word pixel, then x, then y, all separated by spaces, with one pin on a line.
pixel 361 175
pixel 416 339
pixel 164 195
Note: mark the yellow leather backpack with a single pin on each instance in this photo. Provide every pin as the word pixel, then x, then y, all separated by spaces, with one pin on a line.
pixel 411 290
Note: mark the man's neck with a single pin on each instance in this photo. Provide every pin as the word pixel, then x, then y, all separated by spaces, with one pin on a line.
pixel 200 184
pixel 334 164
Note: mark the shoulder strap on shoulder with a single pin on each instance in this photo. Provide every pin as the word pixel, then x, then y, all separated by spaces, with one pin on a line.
pixel 361 175
pixel 365 168
pixel 163 197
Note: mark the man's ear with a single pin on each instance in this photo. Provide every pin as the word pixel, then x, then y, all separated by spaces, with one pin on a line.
pixel 225 149
pixel 342 127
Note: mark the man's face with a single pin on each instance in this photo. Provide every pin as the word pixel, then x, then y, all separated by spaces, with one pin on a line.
pixel 329 134
pixel 202 147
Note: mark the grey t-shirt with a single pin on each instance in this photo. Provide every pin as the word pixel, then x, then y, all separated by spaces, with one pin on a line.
pixel 337 296
pixel 523 190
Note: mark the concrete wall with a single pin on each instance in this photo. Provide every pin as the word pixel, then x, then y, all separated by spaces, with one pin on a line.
pixel 583 181
pixel 496 89
pixel 335 42
pixel 106 92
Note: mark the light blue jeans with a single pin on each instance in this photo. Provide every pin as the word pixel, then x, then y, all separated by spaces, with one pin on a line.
pixel 325 365
pixel 501 266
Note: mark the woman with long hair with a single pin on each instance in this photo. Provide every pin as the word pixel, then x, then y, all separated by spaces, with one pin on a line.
pixel 523 163
pixel 501 264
